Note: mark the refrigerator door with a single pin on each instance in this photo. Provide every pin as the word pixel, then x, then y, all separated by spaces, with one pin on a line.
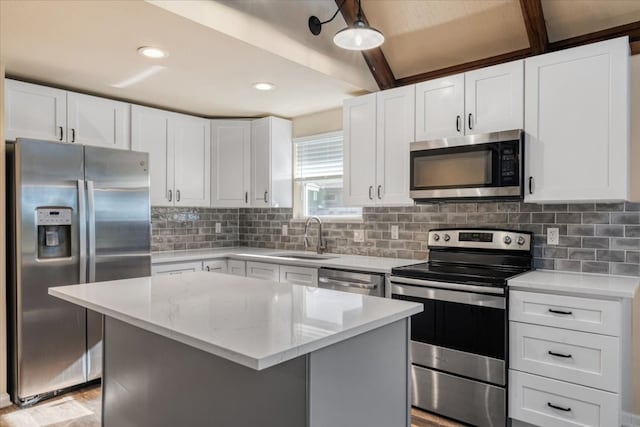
pixel 119 227
pixel 47 334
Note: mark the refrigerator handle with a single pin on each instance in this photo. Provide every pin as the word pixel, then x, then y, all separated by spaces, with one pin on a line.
pixel 92 231
pixel 82 231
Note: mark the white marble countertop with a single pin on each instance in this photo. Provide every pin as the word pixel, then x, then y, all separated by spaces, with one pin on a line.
pixel 253 322
pixel 348 262
pixel 577 283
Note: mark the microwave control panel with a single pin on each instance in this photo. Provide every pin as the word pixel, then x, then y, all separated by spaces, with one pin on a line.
pixel 509 164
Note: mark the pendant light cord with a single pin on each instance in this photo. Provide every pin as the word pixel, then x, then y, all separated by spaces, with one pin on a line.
pixel 336 14
pixel 359 15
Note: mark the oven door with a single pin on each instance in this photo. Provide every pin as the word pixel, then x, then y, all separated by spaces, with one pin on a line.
pixel 467 167
pixel 460 332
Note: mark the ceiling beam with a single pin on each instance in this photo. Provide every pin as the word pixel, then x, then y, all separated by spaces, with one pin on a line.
pixel 374 58
pixel 632 30
pixel 635 47
pixel 536 28
pixel 461 68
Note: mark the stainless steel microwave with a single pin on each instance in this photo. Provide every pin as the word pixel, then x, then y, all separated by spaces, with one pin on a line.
pixel 486 166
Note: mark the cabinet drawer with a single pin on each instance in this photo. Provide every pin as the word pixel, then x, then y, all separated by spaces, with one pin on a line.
pixel 299 275
pixel 215 266
pixel 581 314
pixel 263 270
pixel 236 267
pixel 550 403
pixel 578 357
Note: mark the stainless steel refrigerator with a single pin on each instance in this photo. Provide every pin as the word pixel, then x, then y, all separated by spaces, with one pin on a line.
pixel 78 214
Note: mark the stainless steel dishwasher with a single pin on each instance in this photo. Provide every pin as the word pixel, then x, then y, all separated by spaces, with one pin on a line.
pixel 352 281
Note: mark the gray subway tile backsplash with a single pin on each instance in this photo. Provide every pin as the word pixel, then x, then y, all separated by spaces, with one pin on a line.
pixel 594 237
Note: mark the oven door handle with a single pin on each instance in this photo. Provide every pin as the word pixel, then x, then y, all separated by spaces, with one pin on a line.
pixel 446 285
pixel 467 298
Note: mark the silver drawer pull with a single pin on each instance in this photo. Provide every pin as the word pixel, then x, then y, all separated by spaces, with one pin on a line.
pixel 559 408
pixel 563 312
pixel 553 353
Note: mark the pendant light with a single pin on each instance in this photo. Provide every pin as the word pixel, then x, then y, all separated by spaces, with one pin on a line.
pixel 359 36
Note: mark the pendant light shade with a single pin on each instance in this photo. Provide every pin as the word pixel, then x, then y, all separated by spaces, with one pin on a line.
pixel 358 37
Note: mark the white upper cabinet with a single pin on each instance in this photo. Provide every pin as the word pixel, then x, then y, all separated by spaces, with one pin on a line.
pixel 440 108
pixel 150 133
pixel 494 98
pixel 271 163
pixel 395 131
pixel 41 112
pixel 230 163
pixel 179 148
pixel 97 121
pixel 490 99
pixel 33 111
pixel 359 122
pixel 577 123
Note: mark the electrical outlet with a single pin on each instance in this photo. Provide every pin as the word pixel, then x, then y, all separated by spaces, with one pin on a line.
pixel 285 230
pixel 394 232
pixel 218 228
pixel 553 236
pixel 358 235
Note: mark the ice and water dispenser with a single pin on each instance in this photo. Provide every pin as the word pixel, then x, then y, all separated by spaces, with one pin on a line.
pixel 54 233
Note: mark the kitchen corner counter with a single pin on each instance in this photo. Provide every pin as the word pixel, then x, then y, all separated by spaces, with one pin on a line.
pixel 587 284
pixel 339 261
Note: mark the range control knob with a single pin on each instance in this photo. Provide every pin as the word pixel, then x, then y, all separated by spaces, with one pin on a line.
pixel 521 240
pixel 507 240
pixel 436 237
pixel 447 237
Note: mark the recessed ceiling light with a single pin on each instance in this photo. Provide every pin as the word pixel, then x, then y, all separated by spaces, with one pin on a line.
pixel 264 86
pixel 152 52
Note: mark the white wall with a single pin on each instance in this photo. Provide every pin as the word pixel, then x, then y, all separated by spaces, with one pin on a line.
pixel 316 123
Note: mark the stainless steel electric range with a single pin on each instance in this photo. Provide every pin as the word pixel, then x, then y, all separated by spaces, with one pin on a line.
pixel 459 342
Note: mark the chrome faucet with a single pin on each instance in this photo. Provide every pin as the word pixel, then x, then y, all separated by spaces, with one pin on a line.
pixel 322 243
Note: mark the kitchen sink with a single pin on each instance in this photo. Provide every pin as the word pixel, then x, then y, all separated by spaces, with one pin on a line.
pixel 303 256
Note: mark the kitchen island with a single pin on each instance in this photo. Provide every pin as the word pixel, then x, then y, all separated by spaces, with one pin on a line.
pixel 207 349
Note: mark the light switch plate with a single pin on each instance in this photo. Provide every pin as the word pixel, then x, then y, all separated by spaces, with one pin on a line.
pixel 358 235
pixel 553 236
pixel 285 230
pixel 394 232
pixel 218 228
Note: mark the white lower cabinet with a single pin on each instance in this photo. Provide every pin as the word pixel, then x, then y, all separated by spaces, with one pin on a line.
pixel 215 266
pixel 176 268
pixel 299 275
pixel 263 270
pixel 236 267
pixel 550 403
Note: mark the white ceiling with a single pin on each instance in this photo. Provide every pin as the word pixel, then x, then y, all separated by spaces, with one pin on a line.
pixel 91 45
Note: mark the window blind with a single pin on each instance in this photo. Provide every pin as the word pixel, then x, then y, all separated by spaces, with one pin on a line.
pixel 318 158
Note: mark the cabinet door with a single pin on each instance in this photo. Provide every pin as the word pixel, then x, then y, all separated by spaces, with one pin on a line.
pixel 263 270
pixel 359 170
pixel 260 162
pixel 33 111
pixel 192 160
pixel 150 133
pixel 299 275
pixel 494 98
pixel 176 268
pixel 97 121
pixel 440 108
pixel 395 131
pixel 215 266
pixel 281 173
pixel 577 123
pixel 236 267
pixel 230 163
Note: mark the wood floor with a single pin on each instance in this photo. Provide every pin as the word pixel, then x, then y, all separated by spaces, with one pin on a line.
pixel 82 409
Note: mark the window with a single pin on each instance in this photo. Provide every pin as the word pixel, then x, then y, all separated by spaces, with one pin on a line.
pixel 317 173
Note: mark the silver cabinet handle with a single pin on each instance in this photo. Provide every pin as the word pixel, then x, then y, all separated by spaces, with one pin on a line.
pixel 92 231
pixel 246 197
pixel 470 121
pixel 380 192
pixel 82 229
pixel 371 192
pixel 458 123
pixel 73 135
pixel 177 195
pixel 266 194
pixel 208 268
pixel 61 133
pixel 170 195
pixel 531 185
